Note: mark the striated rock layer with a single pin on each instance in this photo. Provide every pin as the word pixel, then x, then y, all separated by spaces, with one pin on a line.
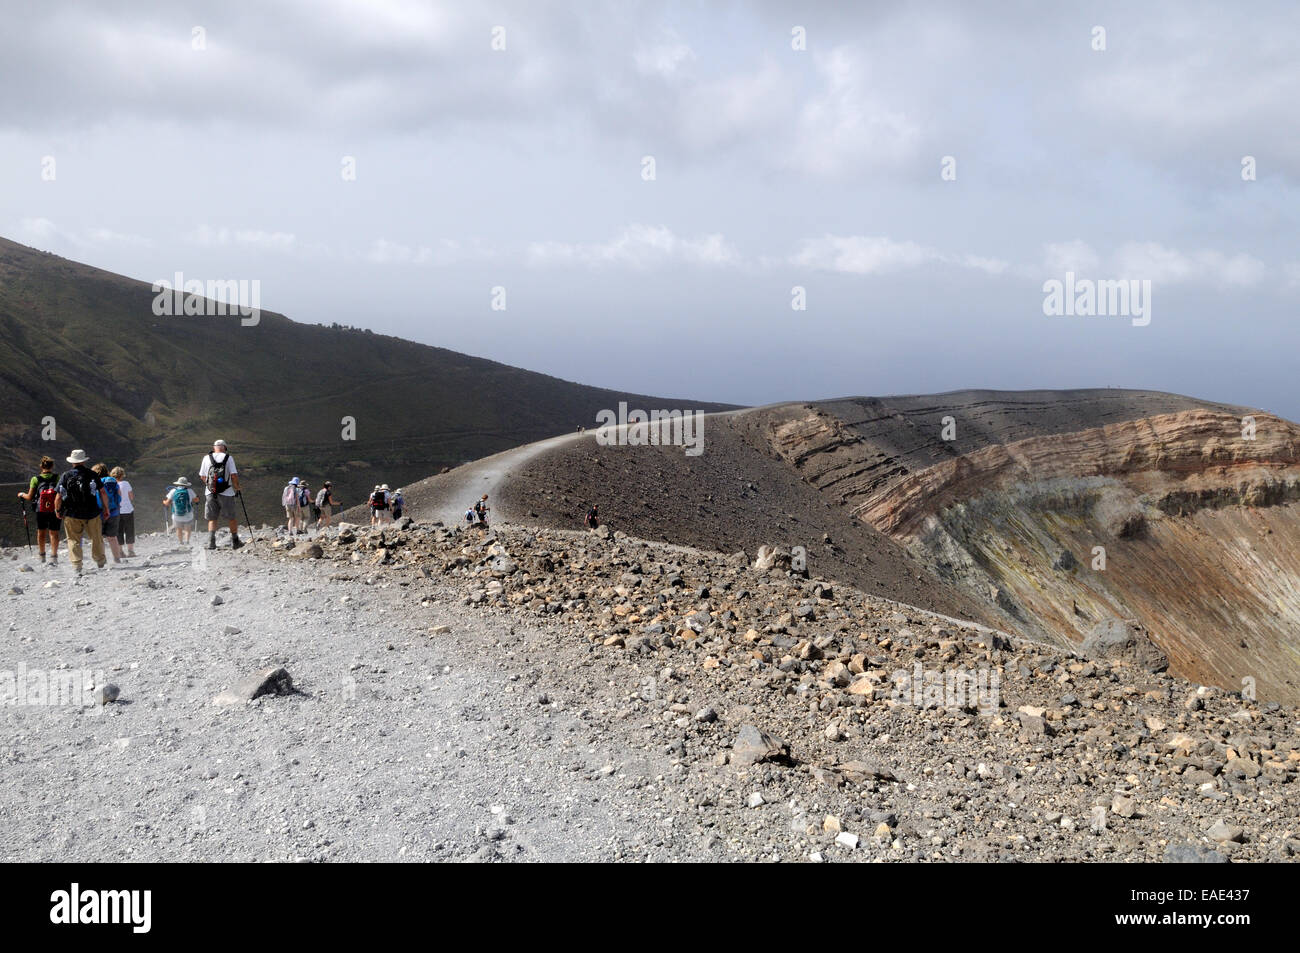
pixel 1181 522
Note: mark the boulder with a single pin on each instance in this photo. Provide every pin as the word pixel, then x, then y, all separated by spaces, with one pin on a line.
pixel 1118 639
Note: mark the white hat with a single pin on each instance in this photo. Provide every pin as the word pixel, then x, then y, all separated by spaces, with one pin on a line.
pixel 384 487
pixel 78 456
pixel 182 481
pixel 219 443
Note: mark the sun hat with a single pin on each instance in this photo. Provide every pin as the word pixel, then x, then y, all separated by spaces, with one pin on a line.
pixel 78 456
pixel 182 481
pixel 384 487
pixel 219 443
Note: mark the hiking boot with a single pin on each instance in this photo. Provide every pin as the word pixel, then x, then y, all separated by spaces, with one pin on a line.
pixel 236 542
pixel 212 542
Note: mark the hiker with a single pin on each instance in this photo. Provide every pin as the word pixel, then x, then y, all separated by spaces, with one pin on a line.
pixel 221 478
pixel 292 510
pixel 398 503
pixel 481 511
pixel 125 513
pixel 593 517
pixel 81 505
pixel 180 503
pixel 306 505
pixel 42 493
pixel 378 503
pixel 325 502
pixel 111 518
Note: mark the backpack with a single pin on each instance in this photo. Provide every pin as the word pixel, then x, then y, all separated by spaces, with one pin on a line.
pixel 218 479
pixel 47 490
pixel 469 516
pixel 289 497
pixel 379 500
pixel 78 492
pixel 320 497
pixel 114 494
pixel 181 502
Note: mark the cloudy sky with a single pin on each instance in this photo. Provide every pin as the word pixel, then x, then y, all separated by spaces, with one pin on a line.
pixel 506 145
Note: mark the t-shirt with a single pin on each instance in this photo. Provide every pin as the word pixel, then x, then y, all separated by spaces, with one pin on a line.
pixel 127 506
pixel 80 488
pixel 170 500
pixel 206 467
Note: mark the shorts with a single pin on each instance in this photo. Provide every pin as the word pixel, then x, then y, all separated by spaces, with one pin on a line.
pixel 48 521
pixel 397 512
pixel 291 512
pixel 186 522
pixel 220 507
pixel 110 527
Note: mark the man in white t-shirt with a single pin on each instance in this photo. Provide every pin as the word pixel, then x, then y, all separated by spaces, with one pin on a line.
pixel 221 477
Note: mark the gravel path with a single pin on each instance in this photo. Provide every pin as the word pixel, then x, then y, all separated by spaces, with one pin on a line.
pixel 401 745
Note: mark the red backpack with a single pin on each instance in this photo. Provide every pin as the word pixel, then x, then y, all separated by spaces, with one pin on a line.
pixel 47 491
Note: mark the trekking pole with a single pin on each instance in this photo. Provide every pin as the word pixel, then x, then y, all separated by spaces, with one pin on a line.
pixel 251 535
pixel 26 527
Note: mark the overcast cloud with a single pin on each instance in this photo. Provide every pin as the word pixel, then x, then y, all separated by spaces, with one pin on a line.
pixel 523 168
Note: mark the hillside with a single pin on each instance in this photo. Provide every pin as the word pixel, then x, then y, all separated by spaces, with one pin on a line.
pixel 83 346
pixel 1198 526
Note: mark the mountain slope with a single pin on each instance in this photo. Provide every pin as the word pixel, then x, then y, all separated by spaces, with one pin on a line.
pixel 83 346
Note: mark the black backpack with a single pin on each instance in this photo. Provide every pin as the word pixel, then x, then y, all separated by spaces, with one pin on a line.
pixel 79 494
pixel 218 480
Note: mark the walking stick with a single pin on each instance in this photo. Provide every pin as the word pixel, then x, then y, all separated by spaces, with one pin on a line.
pixel 26 526
pixel 251 535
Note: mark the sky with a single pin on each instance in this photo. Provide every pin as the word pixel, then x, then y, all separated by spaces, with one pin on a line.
pixel 650 182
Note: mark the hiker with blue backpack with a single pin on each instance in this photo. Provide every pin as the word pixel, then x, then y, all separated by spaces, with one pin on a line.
pixel 41 494
pixel 112 515
pixel 180 505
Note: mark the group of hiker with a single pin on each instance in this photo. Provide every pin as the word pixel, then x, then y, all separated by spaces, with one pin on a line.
pixel 93 502
pixel 302 509
pixel 98 504
pixel 385 504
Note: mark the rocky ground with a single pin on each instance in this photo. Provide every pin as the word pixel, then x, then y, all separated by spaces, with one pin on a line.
pixel 545 694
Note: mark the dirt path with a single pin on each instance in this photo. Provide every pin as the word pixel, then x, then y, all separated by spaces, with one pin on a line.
pixel 401 745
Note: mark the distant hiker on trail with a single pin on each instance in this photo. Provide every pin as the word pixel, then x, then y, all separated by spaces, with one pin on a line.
pixel 111 519
pixel 306 505
pixel 325 502
pixel 81 505
pixel 593 518
pixel 221 477
pixel 378 504
pixel 398 503
pixel 180 503
pixel 43 493
pixel 481 509
pixel 126 513
pixel 292 506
